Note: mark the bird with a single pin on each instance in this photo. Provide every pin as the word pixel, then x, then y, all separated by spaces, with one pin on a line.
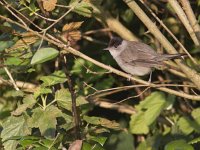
pixel 137 58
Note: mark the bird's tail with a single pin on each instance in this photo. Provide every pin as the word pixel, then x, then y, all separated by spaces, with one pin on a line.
pixel 171 56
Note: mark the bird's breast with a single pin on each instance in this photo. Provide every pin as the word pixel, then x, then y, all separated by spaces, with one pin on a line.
pixel 131 68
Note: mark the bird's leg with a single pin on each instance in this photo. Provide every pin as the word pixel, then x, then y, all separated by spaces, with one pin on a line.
pixel 150 77
pixel 129 78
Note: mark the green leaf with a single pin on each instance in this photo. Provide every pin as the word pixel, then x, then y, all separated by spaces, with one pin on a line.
pixel 13 126
pixel 194 141
pixel 100 139
pixel 153 106
pixel 185 125
pixel 63 98
pixel 196 115
pixel 43 55
pixel 13 61
pixel 69 122
pixel 86 146
pixel 125 141
pixel 6 44
pixel 178 145
pixel 55 78
pixel 28 102
pixel 41 91
pixel 45 120
pixel 148 111
pixel 138 124
pixel 82 8
pixel 17 93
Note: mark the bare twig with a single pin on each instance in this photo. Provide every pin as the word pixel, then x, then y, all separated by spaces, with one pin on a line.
pixel 20 84
pixel 96 31
pixel 133 96
pixel 191 17
pixel 120 108
pixel 11 78
pixel 179 11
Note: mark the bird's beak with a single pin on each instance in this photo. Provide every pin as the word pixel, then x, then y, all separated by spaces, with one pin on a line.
pixel 106 49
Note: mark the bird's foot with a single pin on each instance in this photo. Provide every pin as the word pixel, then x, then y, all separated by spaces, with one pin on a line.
pixel 150 77
pixel 129 78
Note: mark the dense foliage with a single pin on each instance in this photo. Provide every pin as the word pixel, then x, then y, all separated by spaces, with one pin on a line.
pixel 59 91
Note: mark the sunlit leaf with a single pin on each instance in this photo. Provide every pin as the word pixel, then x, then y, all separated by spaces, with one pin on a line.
pixel 43 55
pixel 63 98
pixel 41 91
pixel 82 8
pixel 178 144
pixel 100 139
pixel 153 106
pixel 185 125
pixel 194 141
pixel 54 78
pixel 45 120
pixel 13 61
pixel 28 102
pixel 138 124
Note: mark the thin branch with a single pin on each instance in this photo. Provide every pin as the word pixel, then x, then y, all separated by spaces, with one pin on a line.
pixel 191 17
pixel 120 108
pixel 135 96
pixel 179 11
pixel 20 84
pixel 11 79
pixel 97 31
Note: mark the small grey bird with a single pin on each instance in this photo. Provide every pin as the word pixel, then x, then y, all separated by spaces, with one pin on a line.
pixel 137 58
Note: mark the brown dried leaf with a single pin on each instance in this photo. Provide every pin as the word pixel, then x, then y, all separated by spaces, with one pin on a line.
pixel 72 26
pixel 24 42
pixel 49 5
pixel 71 36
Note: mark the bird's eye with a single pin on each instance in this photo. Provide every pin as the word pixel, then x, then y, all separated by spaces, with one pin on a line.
pixel 115 46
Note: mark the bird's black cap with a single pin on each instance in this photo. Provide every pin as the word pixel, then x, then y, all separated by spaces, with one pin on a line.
pixel 115 41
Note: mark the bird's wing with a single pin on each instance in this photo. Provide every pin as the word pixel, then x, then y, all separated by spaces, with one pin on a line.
pixel 138 51
pixel 146 63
